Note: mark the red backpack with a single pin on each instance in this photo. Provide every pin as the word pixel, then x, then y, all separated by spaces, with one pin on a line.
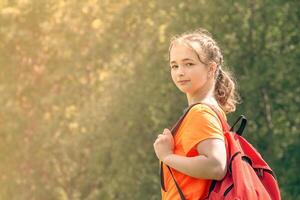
pixel 248 176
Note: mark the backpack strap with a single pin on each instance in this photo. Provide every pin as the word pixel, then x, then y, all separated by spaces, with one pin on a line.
pixel 242 126
pixel 173 131
pixel 225 128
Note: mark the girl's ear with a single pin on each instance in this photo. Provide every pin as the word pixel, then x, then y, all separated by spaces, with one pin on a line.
pixel 212 68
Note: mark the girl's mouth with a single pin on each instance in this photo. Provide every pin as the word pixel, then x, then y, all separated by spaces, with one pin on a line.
pixel 183 82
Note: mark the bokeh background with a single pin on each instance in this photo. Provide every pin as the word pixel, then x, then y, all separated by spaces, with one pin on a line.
pixel 85 88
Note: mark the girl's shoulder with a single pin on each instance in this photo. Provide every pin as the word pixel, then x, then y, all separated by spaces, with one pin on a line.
pixel 204 109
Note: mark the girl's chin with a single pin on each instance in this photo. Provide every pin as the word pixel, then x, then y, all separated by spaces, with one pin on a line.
pixel 184 90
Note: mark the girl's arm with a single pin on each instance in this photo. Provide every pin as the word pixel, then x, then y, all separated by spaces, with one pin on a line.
pixel 211 164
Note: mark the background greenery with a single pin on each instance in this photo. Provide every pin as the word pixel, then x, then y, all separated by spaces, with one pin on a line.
pixel 85 89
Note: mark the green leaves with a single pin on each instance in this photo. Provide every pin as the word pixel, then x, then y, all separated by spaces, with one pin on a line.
pixel 85 89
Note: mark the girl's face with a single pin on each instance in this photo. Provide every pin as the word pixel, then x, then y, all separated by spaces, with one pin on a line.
pixel 188 72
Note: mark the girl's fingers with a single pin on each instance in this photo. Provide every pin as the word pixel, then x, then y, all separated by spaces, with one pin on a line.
pixel 158 138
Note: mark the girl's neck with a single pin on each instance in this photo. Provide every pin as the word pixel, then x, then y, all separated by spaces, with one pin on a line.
pixel 209 100
pixel 203 97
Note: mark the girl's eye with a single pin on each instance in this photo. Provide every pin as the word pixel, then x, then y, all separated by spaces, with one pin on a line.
pixel 189 64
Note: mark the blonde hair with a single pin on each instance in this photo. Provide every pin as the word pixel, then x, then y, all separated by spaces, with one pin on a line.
pixel 208 50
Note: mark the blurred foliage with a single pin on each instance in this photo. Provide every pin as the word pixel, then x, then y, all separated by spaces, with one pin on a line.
pixel 85 89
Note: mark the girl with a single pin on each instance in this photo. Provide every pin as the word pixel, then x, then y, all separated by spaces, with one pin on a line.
pixel 197 153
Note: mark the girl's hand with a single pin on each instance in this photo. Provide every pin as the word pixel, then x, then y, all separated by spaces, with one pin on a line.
pixel 164 145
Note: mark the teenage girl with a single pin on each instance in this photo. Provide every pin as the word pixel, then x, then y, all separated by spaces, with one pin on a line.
pixel 196 153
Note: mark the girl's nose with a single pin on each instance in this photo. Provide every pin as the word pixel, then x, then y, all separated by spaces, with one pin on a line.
pixel 180 71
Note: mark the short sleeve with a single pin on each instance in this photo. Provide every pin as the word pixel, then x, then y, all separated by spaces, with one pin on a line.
pixel 201 123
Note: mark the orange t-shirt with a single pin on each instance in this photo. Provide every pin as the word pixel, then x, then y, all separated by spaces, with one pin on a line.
pixel 199 124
